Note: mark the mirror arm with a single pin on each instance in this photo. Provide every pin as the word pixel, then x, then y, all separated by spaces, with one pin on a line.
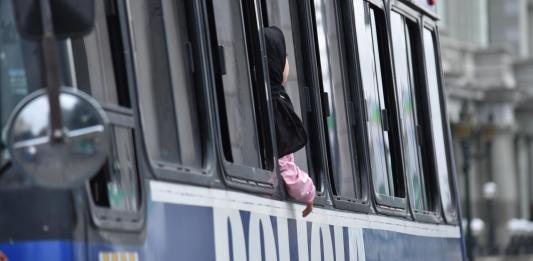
pixel 50 56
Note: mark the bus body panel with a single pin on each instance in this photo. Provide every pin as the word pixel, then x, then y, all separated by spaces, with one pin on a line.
pixel 195 223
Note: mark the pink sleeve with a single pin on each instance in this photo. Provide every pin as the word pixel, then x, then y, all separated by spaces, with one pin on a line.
pixel 299 185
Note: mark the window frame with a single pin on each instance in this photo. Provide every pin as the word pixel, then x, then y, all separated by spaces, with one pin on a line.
pixel 387 205
pixel 450 218
pixel 108 218
pixel 385 202
pixel 343 25
pixel 204 176
pixel 435 212
pixel 120 116
pixel 251 179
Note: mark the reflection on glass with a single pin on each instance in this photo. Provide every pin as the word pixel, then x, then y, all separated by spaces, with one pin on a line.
pixel 381 94
pixel 122 184
pixel 437 121
pixel 405 93
pixel 279 15
pixel 372 85
pixel 338 125
pixel 237 83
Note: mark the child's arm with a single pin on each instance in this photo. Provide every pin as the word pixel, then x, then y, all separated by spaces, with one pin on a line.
pixel 299 185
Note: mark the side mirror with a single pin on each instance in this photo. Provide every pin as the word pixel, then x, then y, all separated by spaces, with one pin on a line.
pixel 65 164
pixel 71 18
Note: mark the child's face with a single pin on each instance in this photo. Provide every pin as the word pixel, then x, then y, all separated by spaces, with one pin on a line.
pixel 286 71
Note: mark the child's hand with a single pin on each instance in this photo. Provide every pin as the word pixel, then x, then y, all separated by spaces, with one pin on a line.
pixel 308 209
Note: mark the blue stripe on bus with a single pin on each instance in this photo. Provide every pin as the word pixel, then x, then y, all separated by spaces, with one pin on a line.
pixel 40 250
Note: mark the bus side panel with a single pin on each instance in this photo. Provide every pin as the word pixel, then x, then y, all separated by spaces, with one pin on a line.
pixel 181 232
pixel 193 223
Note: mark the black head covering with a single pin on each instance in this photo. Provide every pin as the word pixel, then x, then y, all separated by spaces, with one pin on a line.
pixel 277 54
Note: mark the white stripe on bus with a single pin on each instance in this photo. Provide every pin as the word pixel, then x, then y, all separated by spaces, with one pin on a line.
pixel 208 197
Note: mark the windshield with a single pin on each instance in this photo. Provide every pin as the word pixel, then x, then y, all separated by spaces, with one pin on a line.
pixel 19 63
pixel 21 66
pixel 21 73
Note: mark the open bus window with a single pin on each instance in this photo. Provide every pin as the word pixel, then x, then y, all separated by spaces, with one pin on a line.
pixel 237 84
pixel 405 93
pixel 280 14
pixel 166 84
pixel 437 124
pixel 241 94
pixel 377 86
pixel 117 185
pixel 340 126
pixel 101 70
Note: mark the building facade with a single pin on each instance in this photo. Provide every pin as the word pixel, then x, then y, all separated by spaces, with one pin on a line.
pixel 487 56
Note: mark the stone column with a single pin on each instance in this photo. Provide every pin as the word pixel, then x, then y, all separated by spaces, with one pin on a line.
pixel 522 165
pixel 505 207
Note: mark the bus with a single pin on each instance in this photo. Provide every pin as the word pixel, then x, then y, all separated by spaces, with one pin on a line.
pixel 143 130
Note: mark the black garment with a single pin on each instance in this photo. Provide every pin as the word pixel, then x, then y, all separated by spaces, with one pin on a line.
pixel 277 54
pixel 290 132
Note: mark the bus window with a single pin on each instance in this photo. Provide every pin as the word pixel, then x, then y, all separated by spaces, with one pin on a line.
pixel 381 125
pixel 339 124
pixel 279 14
pixel 405 93
pixel 166 85
pixel 116 186
pixel 437 124
pixel 238 96
pixel 247 137
pixel 100 65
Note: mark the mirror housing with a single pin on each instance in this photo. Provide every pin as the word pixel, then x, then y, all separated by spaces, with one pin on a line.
pixel 71 18
pixel 66 164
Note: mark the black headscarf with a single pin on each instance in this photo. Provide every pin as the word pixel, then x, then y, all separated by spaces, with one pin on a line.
pixel 277 54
